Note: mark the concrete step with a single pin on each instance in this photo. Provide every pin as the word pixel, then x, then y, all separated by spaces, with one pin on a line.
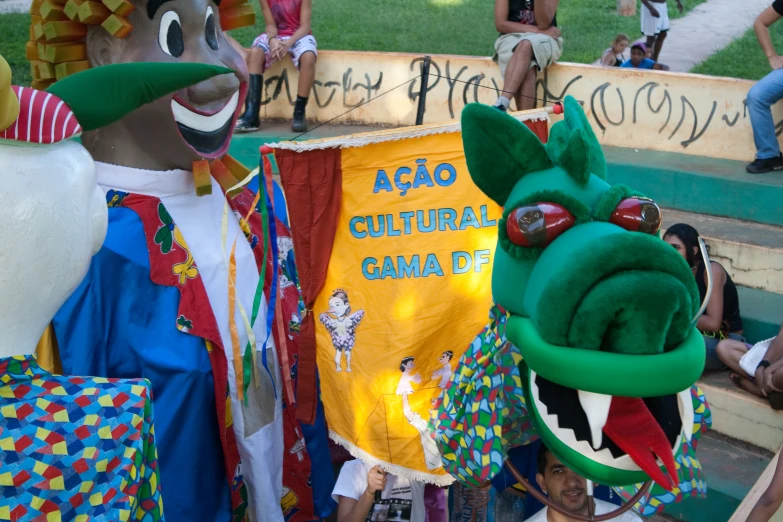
pixel 740 415
pixel 699 184
pixel 731 468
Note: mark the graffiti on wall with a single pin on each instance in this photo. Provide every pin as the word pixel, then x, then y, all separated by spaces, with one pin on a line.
pixel 611 103
pixel 613 106
pixel 348 91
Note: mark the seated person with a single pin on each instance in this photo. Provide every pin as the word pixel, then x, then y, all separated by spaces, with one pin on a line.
pixel 568 490
pixel 529 41
pixel 355 494
pixel 721 319
pixel 615 56
pixel 756 368
pixel 287 32
pixel 639 61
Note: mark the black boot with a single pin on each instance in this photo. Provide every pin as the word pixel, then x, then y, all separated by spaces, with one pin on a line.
pixel 299 124
pixel 249 121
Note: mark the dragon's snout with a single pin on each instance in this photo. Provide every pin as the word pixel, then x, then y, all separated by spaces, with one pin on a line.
pixel 599 287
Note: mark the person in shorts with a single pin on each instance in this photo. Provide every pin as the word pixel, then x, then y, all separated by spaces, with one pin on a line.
pixel 756 368
pixel 655 24
pixel 287 33
pixel 529 41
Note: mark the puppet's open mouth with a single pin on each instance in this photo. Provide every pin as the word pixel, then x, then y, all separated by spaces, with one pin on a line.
pixel 619 432
pixel 207 134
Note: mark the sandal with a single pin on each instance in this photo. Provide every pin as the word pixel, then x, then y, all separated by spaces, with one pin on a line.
pixel 736 380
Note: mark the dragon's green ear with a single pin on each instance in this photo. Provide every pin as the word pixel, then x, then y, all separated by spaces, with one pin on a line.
pixel 586 153
pixel 499 150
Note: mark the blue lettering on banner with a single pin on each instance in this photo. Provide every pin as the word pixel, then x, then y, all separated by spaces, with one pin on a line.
pixel 469 219
pixel 388 269
pixel 393 232
pixel 382 182
pixel 449 170
pixel 370 268
pixel 409 270
pixel 402 187
pixel 485 221
pixel 447 216
pixel 406 222
pixel 482 258
pixel 355 232
pixel 420 221
pixel 381 226
pixel 461 258
pixel 431 266
pixel 422 176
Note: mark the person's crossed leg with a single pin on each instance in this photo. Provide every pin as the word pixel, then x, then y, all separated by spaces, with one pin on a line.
pixel 519 80
pixel 756 369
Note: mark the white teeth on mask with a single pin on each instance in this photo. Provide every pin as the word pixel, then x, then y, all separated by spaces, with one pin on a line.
pixel 203 123
pixel 596 407
pixel 685 404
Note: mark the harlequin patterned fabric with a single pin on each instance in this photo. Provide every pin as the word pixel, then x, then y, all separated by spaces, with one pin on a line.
pixel 483 415
pixel 75 448
pixel 688 466
pixel 483 410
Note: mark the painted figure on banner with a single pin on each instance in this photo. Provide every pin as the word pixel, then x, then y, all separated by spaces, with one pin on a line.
pixel 404 389
pixel 342 324
pixel 195 309
pixel 444 373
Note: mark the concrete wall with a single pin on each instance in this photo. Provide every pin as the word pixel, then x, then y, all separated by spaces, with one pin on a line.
pixel 673 112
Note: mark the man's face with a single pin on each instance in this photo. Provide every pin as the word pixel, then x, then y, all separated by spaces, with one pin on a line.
pixel 194 123
pixel 637 55
pixel 564 487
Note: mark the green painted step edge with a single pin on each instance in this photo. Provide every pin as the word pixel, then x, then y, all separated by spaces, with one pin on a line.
pixel 762 313
pixel 245 150
pixel 698 184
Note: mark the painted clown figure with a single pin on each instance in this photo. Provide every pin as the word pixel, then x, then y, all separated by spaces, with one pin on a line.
pixel 73 447
pixel 183 291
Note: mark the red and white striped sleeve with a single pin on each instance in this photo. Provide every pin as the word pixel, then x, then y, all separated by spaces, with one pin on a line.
pixel 43 118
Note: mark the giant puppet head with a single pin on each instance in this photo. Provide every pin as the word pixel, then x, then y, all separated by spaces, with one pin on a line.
pixel 193 124
pixel 52 212
pixel 600 307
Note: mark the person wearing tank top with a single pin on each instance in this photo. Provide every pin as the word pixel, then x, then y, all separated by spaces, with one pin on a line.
pixel 529 41
pixel 721 319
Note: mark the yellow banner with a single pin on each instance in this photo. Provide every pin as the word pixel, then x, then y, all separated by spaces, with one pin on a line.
pixel 407 289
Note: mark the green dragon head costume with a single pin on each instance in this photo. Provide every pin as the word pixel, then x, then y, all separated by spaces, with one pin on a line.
pixel 600 306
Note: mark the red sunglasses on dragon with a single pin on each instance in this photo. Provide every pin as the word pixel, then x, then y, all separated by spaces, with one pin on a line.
pixel 539 224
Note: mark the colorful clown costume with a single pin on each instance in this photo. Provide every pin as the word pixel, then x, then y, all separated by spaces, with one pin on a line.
pixel 73 448
pixel 156 284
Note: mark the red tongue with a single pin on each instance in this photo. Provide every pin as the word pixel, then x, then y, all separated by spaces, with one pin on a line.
pixel 633 428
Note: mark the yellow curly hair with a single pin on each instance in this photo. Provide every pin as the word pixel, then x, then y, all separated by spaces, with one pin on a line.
pixel 59 27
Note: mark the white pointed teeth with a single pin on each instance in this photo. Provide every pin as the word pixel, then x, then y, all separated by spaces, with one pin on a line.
pixel 685 404
pixel 596 407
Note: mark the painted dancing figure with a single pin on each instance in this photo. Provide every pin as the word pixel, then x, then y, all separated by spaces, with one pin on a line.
pixel 404 388
pixel 342 325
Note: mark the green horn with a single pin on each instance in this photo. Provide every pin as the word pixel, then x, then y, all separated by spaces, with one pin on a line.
pixel 103 95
